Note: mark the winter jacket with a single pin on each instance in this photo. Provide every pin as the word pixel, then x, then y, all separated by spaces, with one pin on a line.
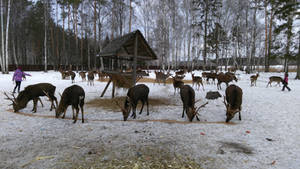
pixel 19 74
pixel 286 79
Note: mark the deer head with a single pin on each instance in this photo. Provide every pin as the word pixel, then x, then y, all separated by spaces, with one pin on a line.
pixel 18 103
pixel 193 111
pixel 126 109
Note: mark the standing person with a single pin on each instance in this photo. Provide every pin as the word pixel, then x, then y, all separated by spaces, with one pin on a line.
pixel 285 82
pixel 18 78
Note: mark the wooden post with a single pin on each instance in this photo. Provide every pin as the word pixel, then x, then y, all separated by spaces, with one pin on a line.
pixel 106 87
pixel 135 59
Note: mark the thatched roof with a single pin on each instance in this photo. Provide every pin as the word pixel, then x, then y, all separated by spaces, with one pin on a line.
pixel 123 47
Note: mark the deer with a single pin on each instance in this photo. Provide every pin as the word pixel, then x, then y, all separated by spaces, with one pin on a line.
pixel 136 93
pixel 210 75
pixel 197 80
pixel 187 95
pixel 74 96
pixel 64 74
pixel 72 74
pixel 180 73
pixel 253 79
pixel 177 83
pixel 82 75
pixel 233 101
pixel 225 78
pixel 33 92
pixel 274 79
pixel 91 78
pixel 160 76
pixel 101 75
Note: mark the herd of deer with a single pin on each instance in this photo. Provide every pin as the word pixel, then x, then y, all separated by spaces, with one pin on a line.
pixel 90 76
pixel 75 95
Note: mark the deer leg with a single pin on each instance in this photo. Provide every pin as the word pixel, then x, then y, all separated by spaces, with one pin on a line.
pixel 134 111
pixel 77 111
pixel 64 114
pixel 35 100
pixel 73 112
pixel 147 107
pixel 197 118
pixel 82 118
pixel 41 102
pixel 143 102
pixel 182 116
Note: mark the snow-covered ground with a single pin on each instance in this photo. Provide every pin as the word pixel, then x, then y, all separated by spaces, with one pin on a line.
pixel 267 137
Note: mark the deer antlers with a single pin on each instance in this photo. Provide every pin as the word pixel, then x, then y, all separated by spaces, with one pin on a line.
pixel 9 98
pixel 203 105
pixel 117 103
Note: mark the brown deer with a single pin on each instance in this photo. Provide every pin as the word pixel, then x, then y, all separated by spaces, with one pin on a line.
pixel 102 75
pixel 136 93
pixel 177 83
pixel 187 95
pixel 233 102
pixel 74 96
pixel 161 77
pixel 91 78
pixel 73 75
pixel 33 92
pixel 210 75
pixel 197 80
pixel 225 78
pixel 82 75
pixel 253 79
pixel 180 73
pixel 274 79
pixel 64 74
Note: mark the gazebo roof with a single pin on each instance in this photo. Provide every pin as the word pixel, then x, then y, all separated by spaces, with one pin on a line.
pixel 123 47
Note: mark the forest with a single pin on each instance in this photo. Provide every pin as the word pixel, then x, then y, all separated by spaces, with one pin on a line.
pixel 240 33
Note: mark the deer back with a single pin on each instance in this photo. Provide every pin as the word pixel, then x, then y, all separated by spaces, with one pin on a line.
pixel 187 95
pixel 73 95
pixel 275 79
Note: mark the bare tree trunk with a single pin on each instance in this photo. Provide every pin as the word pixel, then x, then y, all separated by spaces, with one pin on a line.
pixel 63 36
pixel 298 60
pixel 267 66
pixel 7 29
pixel 205 34
pixel 57 31
pixel 95 32
pixel 81 46
pixel 2 38
pixel 14 52
pixel 270 36
pixel 45 38
pixel 253 48
pixel 130 13
pixel 289 36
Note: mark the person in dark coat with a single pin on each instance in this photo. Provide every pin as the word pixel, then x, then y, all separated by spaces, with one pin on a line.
pixel 18 75
pixel 285 82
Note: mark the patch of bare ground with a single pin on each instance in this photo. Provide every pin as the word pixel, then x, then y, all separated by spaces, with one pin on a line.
pixel 148 157
pixel 110 103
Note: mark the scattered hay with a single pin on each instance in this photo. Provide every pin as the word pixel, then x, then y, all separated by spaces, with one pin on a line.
pixel 143 158
pixel 150 80
pixel 109 103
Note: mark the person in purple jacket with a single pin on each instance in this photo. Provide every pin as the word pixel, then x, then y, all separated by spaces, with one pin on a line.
pixel 285 82
pixel 18 75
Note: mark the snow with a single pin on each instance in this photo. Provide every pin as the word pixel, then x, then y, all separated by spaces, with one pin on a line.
pixel 266 113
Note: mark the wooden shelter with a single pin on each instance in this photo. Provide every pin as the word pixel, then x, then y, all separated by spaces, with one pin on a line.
pixel 131 49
